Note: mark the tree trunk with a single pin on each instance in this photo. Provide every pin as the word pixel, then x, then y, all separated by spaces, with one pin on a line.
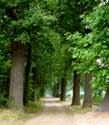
pixel 104 107
pixel 42 91
pixel 27 73
pixel 76 89
pixel 33 83
pixel 36 84
pixel 87 103
pixel 1 87
pixel 63 88
pixel 16 78
pixel 56 88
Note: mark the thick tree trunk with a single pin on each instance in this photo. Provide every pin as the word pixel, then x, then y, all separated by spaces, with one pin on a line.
pixel 63 88
pixel 56 88
pixel 33 83
pixel 76 89
pixel 104 107
pixel 87 103
pixel 42 91
pixel 27 73
pixel 16 78
pixel 36 84
pixel 1 87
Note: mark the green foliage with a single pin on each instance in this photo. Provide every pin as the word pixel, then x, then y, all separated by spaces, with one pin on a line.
pixel 20 18
pixel 33 107
pixel 92 44
pixel 97 99
pixel 29 22
pixel 3 100
pixel 65 36
pixel 79 110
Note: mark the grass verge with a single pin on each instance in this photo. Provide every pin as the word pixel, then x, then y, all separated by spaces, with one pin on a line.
pixel 30 110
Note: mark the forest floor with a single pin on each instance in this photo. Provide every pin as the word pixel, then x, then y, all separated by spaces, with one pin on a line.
pixel 58 113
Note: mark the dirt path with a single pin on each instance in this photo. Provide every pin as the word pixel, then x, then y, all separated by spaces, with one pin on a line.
pixel 56 113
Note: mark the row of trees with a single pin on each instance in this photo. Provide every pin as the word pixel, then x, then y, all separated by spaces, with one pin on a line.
pixel 87 44
pixel 24 28
pixel 43 42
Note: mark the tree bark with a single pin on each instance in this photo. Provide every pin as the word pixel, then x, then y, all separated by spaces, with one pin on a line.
pixel 1 87
pixel 16 78
pixel 56 88
pixel 33 83
pixel 27 73
pixel 104 107
pixel 36 84
pixel 63 88
pixel 87 103
pixel 76 89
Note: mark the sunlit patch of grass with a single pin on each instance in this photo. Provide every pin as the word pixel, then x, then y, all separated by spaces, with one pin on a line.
pixel 80 110
pixel 6 114
pixel 77 109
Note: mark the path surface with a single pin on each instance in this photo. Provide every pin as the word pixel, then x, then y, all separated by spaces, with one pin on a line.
pixel 56 113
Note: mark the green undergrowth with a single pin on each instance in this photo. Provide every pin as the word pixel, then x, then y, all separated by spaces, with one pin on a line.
pixel 6 114
pixel 30 110
pixel 80 110
pixel 33 107
pixel 97 100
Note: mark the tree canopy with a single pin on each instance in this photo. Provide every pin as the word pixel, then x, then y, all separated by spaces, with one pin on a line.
pixel 44 43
